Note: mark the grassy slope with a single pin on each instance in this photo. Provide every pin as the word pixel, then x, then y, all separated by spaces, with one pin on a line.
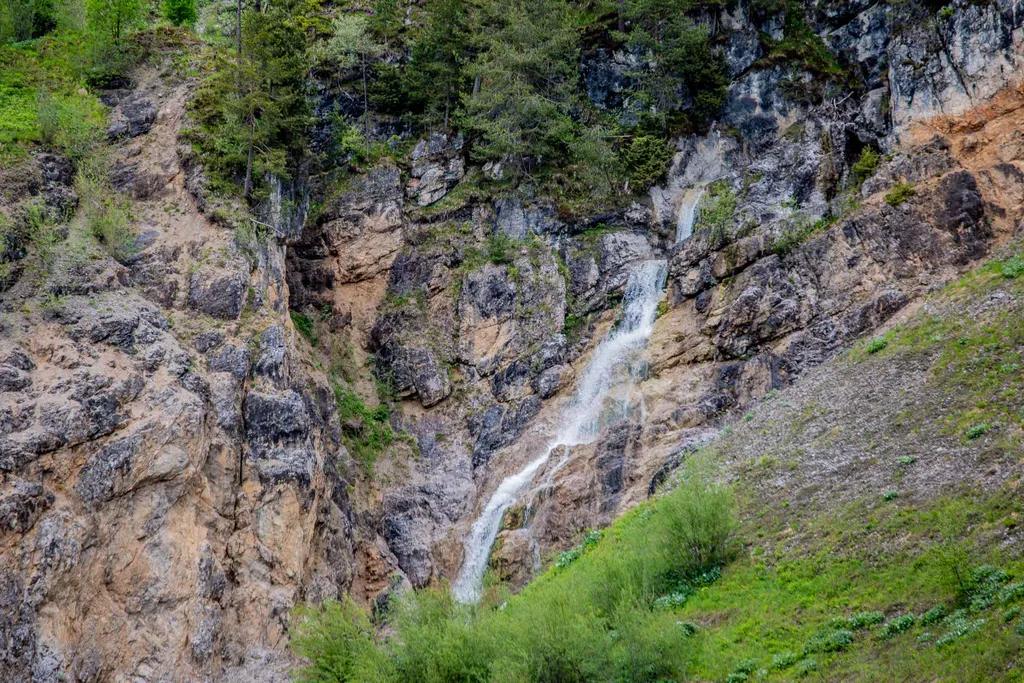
pixel 860 490
pixel 838 523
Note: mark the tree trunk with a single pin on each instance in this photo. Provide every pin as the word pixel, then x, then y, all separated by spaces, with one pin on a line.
pixel 366 109
pixel 248 164
pixel 447 108
pixel 238 29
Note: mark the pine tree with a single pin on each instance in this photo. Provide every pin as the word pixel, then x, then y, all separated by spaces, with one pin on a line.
pixel 386 22
pixel 272 103
pixel 437 69
pixel 524 82
pixel 180 12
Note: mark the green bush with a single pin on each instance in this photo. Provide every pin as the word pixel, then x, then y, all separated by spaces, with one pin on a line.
pixel 865 619
pixel 785 660
pixel 106 213
pixel 865 166
pixel 1012 267
pixel 799 232
pixel 934 615
pixel 367 432
pixel 501 249
pixel 590 620
pixel 877 344
pixel 899 193
pixel 896 626
pixel 976 431
pixel 180 12
pixel 717 214
pixel 72 124
pixel 304 324
pixel 834 640
pixel 338 640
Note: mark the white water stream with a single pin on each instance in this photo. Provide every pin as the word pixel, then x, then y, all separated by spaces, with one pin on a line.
pixel 608 369
pixel 688 212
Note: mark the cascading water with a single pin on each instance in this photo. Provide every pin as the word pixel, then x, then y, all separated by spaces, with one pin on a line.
pixel 608 368
pixel 688 212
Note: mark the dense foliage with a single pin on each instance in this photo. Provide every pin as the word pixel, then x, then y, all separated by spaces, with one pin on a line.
pixel 599 615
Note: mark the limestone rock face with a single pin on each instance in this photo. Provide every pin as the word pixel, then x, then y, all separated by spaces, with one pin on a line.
pixel 174 471
pixel 172 482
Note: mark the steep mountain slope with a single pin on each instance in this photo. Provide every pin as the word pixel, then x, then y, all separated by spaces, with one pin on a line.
pixel 243 412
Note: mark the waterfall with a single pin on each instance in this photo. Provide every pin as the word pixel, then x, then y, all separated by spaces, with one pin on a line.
pixel 609 368
pixel 688 212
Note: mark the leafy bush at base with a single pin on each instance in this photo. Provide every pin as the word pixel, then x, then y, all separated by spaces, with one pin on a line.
pixel 592 620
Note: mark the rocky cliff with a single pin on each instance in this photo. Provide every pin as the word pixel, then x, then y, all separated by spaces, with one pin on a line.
pixel 182 463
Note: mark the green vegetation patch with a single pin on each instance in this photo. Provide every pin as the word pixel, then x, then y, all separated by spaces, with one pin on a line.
pixel 593 619
pixel 44 98
pixel 367 432
pixel 899 193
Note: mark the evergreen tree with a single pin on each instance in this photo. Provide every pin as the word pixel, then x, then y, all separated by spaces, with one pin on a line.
pixel 524 82
pixel 180 12
pixel 686 71
pixel 386 22
pixel 437 70
pixel 272 102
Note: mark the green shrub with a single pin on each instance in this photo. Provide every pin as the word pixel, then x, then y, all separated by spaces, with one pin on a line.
pixel 304 324
pixel 72 124
pixel 674 600
pixel 899 193
pixel 946 12
pixel 1013 267
pixel 717 214
pixel 865 166
pixel 1019 628
pixel 106 213
pixel 367 432
pixel 975 431
pixel 42 232
pixel 746 666
pixel 806 666
pixel 180 12
pixel 934 615
pixel 834 640
pixel 890 495
pixel 958 626
pixel 801 230
pixel 896 626
pixel 785 660
pixel 876 345
pixel 501 249
pixel 338 640
pixel 906 460
pixel 865 619
pixel 699 521
pixel 1011 593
